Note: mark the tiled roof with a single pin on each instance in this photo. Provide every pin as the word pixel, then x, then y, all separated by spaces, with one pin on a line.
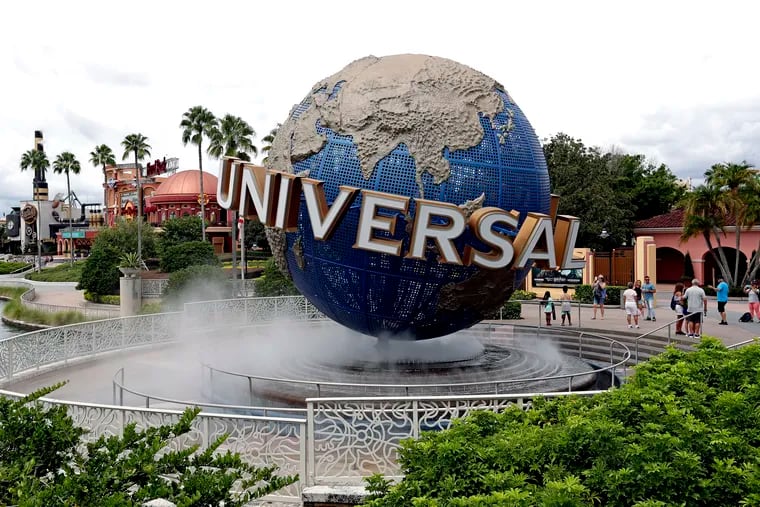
pixel 668 220
pixel 674 219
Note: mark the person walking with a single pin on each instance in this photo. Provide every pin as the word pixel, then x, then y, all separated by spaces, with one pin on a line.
pixel 631 306
pixel 548 304
pixel 649 291
pixel 599 289
pixel 753 299
pixel 721 295
pixel 565 298
pixel 695 300
pixel 678 307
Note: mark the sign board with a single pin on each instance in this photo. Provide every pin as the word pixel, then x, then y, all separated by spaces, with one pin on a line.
pixel 556 278
pixel 72 234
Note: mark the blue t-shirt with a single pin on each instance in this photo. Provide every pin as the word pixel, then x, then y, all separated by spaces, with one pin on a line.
pixel 648 287
pixel 721 292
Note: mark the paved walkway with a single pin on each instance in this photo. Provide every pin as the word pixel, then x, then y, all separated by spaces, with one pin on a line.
pixel 614 321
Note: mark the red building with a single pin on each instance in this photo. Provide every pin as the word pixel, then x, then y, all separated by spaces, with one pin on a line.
pixel 179 195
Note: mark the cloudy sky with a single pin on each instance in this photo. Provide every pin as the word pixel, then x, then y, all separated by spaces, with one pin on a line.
pixel 676 81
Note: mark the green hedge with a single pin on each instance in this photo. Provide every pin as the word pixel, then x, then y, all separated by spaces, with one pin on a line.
pixel 511 310
pixel 105 299
pixel 683 432
pixel 184 255
pixel 62 273
pixel 584 294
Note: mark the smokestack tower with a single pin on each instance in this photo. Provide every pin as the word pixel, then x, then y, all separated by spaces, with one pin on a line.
pixel 40 185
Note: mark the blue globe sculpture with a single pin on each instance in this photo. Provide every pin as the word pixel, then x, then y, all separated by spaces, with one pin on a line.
pixel 422 127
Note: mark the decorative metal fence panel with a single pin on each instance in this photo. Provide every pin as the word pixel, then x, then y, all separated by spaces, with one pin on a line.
pixel 350 439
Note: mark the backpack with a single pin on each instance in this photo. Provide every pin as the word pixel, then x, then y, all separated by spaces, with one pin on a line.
pixel 746 317
pixel 597 291
pixel 673 303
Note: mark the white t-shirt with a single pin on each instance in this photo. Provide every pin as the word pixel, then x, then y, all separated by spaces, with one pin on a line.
pixel 629 296
pixel 695 298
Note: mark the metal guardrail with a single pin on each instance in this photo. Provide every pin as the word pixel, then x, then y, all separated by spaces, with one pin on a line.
pixel 619 356
pixel 340 438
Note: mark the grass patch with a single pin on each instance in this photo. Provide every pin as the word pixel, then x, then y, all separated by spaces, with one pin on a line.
pixel 12 292
pixel 14 309
pixel 61 273
pixel 256 263
pixel 12 267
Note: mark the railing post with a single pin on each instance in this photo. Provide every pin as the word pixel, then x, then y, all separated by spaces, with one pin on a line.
pixel 250 391
pixel 415 419
pixel 302 452
pixel 310 444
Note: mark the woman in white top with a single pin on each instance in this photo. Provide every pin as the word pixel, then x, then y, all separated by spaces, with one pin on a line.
pixel 631 307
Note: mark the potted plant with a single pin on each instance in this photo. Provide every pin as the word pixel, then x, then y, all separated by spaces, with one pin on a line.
pixel 130 264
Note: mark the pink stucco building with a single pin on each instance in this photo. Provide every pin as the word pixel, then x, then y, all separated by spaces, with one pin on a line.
pixel 663 233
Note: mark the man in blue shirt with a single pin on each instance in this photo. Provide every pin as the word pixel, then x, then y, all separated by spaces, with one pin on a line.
pixel 649 291
pixel 721 292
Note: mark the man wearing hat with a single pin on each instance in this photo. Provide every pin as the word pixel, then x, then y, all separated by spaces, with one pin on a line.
pixel 721 293
pixel 695 299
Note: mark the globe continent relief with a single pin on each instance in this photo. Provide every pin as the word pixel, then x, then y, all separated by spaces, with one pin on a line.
pixel 417 126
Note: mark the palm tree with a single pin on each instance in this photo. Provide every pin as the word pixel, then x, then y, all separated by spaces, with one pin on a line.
pixel 233 138
pixel 705 215
pixel 268 140
pixel 137 144
pixel 103 156
pixel 67 163
pixel 38 161
pixel 196 123
pixel 738 182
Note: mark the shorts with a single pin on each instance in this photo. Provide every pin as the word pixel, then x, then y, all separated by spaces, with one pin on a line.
pixel 696 318
pixel 721 306
pixel 630 308
pixel 598 301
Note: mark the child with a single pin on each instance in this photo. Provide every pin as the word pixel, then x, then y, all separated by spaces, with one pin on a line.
pixel 565 298
pixel 548 303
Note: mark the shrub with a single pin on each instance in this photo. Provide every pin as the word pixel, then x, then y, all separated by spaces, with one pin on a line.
pixel 102 299
pixel 523 295
pixel 196 283
pixel 180 230
pixel 684 431
pixel 44 462
pixel 584 294
pixel 274 283
pixel 192 253
pixel 511 310
pixel 100 275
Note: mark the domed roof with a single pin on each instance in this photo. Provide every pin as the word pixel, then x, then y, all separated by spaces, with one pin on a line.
pixel 187 182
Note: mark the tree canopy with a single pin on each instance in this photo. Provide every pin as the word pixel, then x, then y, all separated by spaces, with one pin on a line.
pixel 607 190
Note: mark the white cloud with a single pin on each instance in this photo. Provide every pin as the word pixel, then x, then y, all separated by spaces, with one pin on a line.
pixel 674 80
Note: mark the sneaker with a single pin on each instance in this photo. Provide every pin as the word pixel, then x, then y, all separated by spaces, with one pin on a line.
pixel 647 318
pixel 630 326
pixel 723 323
pixel 593 318
pixel 690 335
pixel 654 320
pixel 680 332
pixel 637 326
